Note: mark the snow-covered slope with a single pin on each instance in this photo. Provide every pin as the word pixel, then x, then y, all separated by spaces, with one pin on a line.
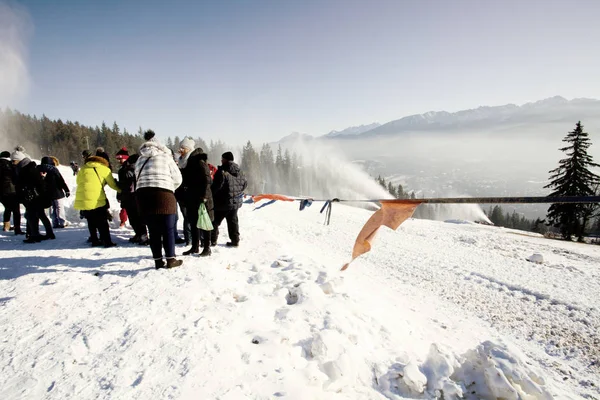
pixel 434 307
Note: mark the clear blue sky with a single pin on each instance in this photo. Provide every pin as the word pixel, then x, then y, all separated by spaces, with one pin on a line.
pixel 258 70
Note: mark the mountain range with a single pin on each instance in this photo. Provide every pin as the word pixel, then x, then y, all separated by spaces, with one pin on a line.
pixel 553 109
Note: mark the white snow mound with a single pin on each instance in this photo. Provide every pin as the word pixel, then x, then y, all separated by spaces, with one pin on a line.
pixel 490 371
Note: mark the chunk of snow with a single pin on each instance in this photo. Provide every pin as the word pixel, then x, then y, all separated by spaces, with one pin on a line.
pixel 536 258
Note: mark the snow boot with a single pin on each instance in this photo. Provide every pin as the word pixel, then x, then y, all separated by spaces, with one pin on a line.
pixel 194 250
pixel 158 264
pixel 173 262
pixel 205 249
pixel 232 244
pixel 134 239
pixel 6 226
pixel 18 231
pixel 109 244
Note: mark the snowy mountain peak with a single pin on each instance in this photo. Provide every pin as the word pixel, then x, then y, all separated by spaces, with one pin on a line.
pixel 354 130
pixel 549 102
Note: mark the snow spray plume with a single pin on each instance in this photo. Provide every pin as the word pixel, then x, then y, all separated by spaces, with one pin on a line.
pixel 15 29
pixel 443 212
pixel 327 174
pixel 334 176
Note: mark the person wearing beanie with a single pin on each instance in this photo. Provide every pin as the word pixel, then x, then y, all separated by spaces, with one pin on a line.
pixel 122 156
pixel 90 198
pixel 85 154
pixel 185 150
pixel 101 153
pixel 228 156
pixel 127 183
pixel 228 190
pixel 30 192
pixel 157 179
pixel 18 156
pixel 196 190
pixel 128 200
pixel 149 135
pixel 56 190
pixel 8 194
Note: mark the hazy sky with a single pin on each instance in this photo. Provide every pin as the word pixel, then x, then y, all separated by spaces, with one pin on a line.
pixel 260 70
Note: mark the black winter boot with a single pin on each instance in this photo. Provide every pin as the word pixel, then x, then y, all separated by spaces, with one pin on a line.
pixel 193 250
pixel 158 264
pixel 205 249
pixel 173 262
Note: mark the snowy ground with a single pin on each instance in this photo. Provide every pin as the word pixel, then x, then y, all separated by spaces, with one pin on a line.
pixel 434 307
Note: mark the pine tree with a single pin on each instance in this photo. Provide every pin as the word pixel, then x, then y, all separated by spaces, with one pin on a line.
pixel 573 178
pixel 497 216
pixel 216 151
pixel 267 166
pixel 392 189
pixel 400 192
pixel 250 164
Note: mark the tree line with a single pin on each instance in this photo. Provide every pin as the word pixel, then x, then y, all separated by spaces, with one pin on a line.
pixel 64 140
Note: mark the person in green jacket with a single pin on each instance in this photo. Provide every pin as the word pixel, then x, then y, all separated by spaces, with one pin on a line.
pixel 91 199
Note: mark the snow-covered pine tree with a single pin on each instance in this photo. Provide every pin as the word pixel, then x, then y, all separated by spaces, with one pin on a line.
pixel 573 178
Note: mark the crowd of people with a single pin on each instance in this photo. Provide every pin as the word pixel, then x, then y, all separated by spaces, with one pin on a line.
pixel 151 185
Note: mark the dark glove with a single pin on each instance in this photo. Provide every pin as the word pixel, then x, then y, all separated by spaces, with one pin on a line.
pixel 67 193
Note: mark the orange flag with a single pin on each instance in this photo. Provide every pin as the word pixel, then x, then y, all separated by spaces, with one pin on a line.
pixel 260 197
pixel 391 214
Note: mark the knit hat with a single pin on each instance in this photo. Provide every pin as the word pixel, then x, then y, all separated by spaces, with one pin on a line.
pixel 149 134
pixel 227 156
pixel 18 155
pixel 122 154
pixel 85 154
pixel 187 143
pixel 5 154
pixel 101 153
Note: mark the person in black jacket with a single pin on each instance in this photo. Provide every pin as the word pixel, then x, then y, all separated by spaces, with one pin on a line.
pixel 127 197
pixel 8 195
pixel 228 191
pixel 55 191
pixel 196 190
pixel 186 147
pixel 30 191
